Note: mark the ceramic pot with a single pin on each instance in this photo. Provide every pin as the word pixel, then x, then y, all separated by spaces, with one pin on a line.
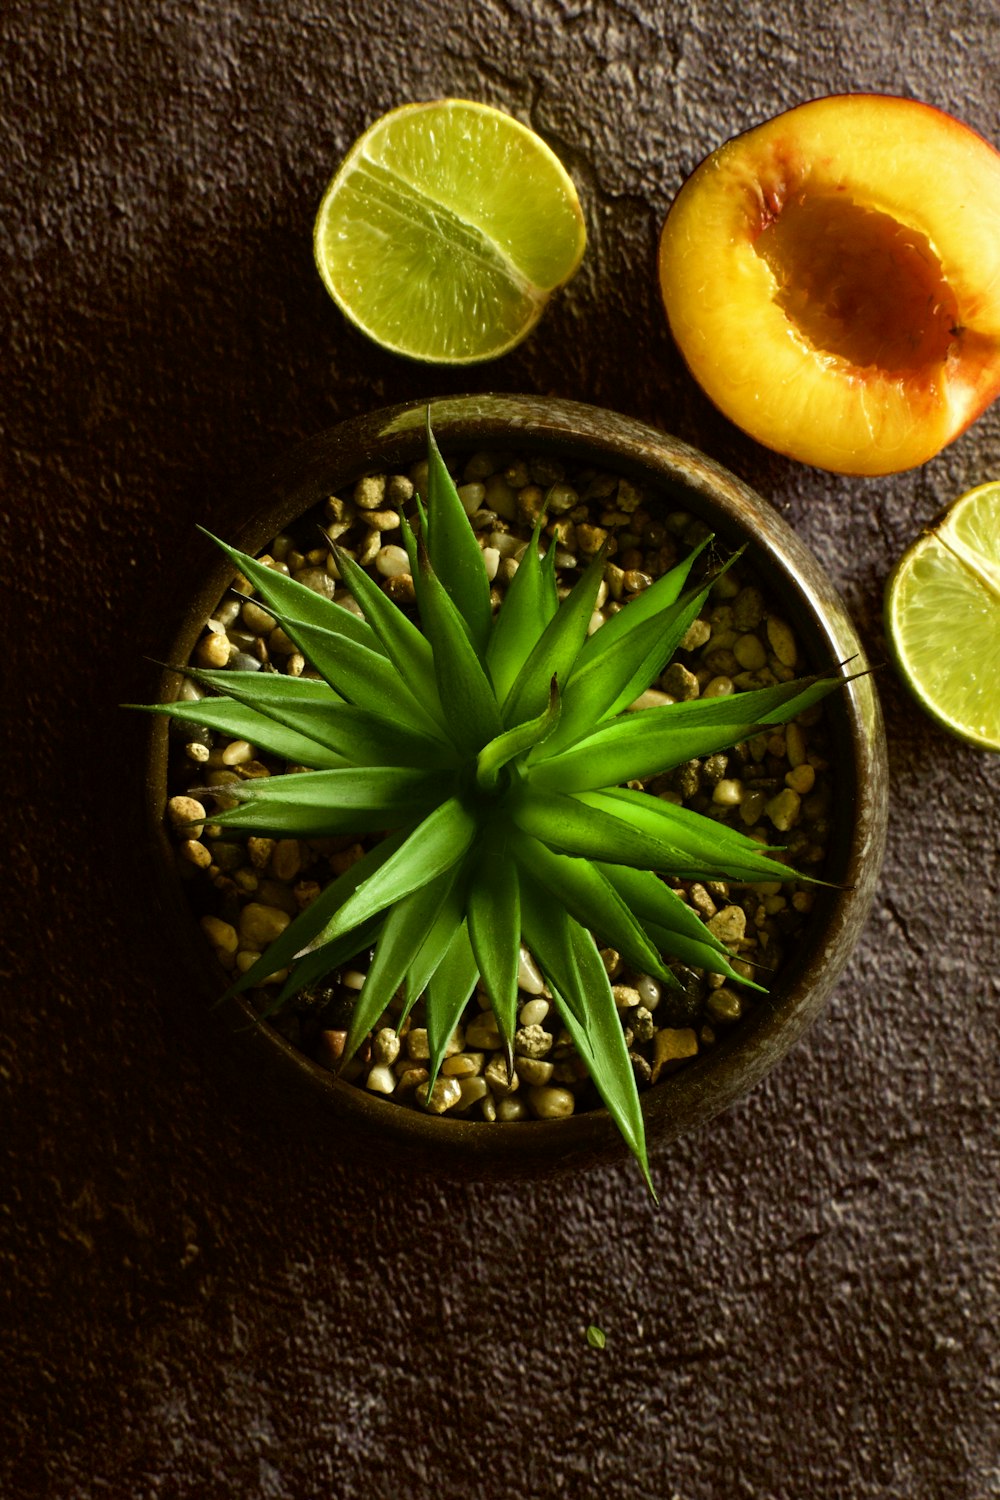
pixel 392 439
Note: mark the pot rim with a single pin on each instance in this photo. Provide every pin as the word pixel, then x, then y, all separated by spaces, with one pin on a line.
pixel 686 478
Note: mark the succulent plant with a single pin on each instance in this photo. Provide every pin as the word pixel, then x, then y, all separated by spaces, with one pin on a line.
pixel 495 762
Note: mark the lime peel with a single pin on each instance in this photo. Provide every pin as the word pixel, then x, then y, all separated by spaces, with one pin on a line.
pixel 942 618
pixel 446 230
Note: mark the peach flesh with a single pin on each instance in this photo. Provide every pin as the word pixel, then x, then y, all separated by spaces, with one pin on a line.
pixel 859 285
pixel 832 279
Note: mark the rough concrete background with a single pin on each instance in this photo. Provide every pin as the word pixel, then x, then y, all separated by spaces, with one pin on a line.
pixel 203 1300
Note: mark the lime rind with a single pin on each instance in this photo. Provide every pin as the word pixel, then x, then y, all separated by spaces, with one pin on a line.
pixel 445 231
pixel 942 616
pixel 971 530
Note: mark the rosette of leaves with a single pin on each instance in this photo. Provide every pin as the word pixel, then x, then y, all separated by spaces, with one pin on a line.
pixel 494 761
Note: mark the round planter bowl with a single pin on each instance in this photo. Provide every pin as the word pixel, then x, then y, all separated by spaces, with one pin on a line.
pixel 393 438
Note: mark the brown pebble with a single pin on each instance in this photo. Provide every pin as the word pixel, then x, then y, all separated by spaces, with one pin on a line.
pixel 672 1046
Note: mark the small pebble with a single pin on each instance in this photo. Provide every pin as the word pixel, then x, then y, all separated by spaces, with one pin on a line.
pixel 496 1077
pixel 724 1005
pixel 242 661
pixel 511 1108
pixel 750 653
pixel 369 492
pixel 500 497
pixel 385 1046
pixel 672 1046
pixel 237 752
pixel 643 1025
pixel 257 619
pixel 187 815
pixel 698 634
pixel 222 935
pixel 463 1065
pixel 213 651
pixel 681 684
pixel 729 925
pixel 534 1013
pixel 636 580
pixel 752 807
pixel 331 1047
pixel 417 1046
pixel 702 901
pixel 399 489
pixel 277 894
pixel 195 853
pixel 471 1091
pixel 549 1102
pixel 260 925
pixel 392 561
pixel 783 810
pixel 801 778
pixel 411 1078
pixel 782 641
pixel 482 1034
pixel 260 850
pixel 532 1041
pixel 529 975
pixel 318 581
pixel 651 698
pixel 381 1080
pixel 795 745
pixel 286 862
pixel 727 792
pixel 648 990
pixel 534 1070
pixel 748 608
pixel 472 496
pixel 383 520
pixel 444 1095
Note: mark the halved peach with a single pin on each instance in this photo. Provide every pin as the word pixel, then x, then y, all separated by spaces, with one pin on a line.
pixel 832 279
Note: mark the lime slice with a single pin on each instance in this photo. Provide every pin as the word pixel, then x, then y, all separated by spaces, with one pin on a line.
pixel 942 616
pixel 446 230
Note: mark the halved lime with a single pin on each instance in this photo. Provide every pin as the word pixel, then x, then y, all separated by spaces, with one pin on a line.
pixel 446 230
pixel 942 617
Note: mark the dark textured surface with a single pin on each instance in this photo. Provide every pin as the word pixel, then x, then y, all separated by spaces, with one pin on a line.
pixel 206 1298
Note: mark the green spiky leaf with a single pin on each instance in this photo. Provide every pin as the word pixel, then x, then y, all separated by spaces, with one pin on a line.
pixel 240 722
pixel 528 609
pixel 468 703
pixel 591 898
pixel 582 991
pixel 322 804
pixel 404 928
pixel 455 555
pixel 282 595
pixel 557 648
pixel 494 915
pixel 516 742
pixel 448 993
pixel 653 740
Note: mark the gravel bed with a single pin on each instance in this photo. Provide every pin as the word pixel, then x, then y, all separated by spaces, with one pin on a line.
pixel 777 787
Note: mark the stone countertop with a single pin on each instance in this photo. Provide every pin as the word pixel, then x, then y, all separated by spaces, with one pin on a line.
pixel 206 1298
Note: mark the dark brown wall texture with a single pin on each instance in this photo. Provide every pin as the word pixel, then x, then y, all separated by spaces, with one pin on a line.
pixel 206 1297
